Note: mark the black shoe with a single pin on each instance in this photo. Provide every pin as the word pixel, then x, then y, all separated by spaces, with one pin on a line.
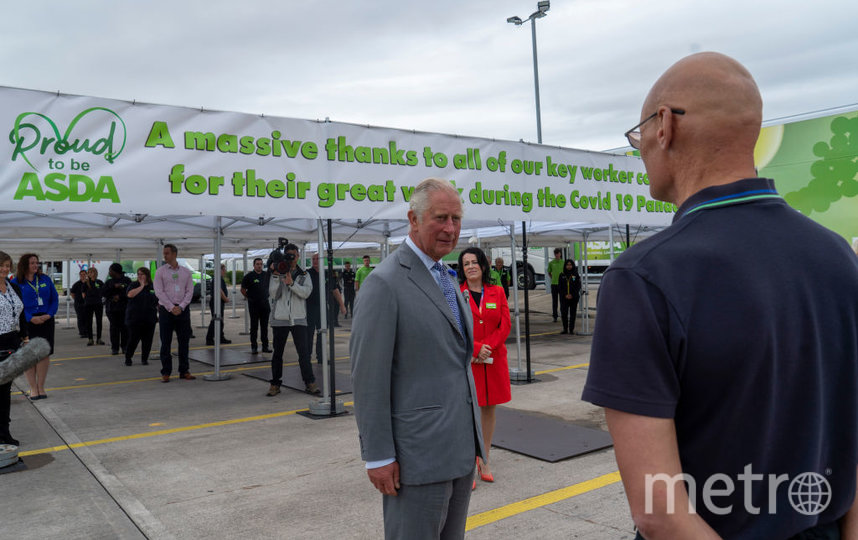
pixel 89 343
pixel 265 349
pixel 209 342
pixel 225 341
pixel 144 362
pixel 254 350
pixel 555 319
pixel 99 342
pixel 5 438
pixel 564 331
pixel 128 362
pixel 114 351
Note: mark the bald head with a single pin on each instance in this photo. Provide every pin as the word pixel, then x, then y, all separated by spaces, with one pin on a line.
pixel 714 140
pixel 718 94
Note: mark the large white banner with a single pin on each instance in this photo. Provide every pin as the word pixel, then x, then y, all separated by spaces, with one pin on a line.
pixel 83 154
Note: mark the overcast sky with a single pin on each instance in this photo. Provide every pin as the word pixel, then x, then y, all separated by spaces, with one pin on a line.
pixel 443 66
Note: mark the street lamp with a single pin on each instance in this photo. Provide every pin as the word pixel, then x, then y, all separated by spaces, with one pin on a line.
pixel 542 8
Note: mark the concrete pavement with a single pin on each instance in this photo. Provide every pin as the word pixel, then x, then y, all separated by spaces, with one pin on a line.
pixel 114 453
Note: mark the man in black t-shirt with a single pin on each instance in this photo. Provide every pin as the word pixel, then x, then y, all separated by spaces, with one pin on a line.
pixel 348 275
pixel 76 293
pixel 725 351
pixel 254 287
pixel 93 302
pixel 115 302
pixel 224 298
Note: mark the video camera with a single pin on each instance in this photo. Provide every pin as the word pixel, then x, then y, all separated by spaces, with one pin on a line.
pixel 280 259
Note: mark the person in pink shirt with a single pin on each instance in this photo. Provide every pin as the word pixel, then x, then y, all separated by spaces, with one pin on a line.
pixel 174 288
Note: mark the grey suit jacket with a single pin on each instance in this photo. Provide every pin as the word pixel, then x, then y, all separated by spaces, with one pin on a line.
pixel 413 388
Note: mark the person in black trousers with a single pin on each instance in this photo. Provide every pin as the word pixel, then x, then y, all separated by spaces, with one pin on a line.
pixel 79 309
pixel 569 285
pixel 254 287
pixel 92 301
pixel 13 329
pixel 349 289
pixel 224 298
pixel 115 302
pixel 141 315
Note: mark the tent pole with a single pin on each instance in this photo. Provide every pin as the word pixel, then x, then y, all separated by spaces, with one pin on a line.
pixel 68 288
pixel 233 316
pixel 217 317
pixel 611 242
pixel 585 293
pixel 202 292
pixel 515 373
pixel 526 300
pixel 329 405
pixel 246 308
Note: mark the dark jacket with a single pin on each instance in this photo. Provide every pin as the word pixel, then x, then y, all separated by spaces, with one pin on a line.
pixel 570 282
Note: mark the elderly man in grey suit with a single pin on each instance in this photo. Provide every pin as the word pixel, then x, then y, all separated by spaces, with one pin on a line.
pixel 414 395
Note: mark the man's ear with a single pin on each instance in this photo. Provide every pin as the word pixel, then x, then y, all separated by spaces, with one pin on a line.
pixel 664 134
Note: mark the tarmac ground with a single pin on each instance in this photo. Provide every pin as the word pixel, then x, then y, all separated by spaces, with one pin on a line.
pixel 115 453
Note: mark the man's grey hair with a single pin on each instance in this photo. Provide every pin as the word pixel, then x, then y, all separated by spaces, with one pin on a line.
pixel 419 202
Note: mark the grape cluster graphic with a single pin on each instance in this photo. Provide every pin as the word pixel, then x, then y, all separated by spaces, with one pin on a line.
pixel 834 173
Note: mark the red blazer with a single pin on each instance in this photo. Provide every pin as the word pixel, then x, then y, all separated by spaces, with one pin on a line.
pixel 491 321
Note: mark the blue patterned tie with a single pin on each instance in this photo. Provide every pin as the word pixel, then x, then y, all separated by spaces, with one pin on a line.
pixel 449 294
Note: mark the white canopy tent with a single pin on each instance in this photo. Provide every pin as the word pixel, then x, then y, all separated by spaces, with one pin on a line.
pixel 91 177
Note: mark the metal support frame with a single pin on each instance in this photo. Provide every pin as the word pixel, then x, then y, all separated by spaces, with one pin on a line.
pixel 329 405
pixel 218 305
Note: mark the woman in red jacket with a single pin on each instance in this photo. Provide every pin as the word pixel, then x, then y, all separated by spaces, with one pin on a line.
pixel 491 328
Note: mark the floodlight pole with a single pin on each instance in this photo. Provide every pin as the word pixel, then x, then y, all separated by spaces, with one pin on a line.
pixel 541 11
pixel 536 81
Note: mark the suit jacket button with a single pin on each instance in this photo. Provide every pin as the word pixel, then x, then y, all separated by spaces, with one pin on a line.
pixel 469 400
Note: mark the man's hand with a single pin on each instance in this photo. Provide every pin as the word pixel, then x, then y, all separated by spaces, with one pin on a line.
pixel 385 479
pixel 287 278
pixel 176 310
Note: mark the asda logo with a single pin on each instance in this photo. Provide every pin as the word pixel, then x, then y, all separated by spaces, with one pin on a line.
pixel 96 132
pixel 97 138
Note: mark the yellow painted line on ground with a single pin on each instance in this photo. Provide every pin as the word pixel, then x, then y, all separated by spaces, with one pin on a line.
pixel 166 432
pixel 174 351
pixel 576 366
pixel 150 379
pixel 513 509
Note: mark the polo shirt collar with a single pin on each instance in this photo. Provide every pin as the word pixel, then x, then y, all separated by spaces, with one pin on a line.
pixel 738 192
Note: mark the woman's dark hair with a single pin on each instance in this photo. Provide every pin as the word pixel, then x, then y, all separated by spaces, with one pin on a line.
pixel 116 267
pixel 481 260
pixel 24 267
pixel 574 266
pixel 146 272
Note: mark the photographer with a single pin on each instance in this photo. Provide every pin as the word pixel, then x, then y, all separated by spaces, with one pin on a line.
pixel 288 290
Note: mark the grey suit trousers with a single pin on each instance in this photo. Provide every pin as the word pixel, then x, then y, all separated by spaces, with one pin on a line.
pixel 429 511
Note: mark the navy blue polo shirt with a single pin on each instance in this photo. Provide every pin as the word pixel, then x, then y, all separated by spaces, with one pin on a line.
pixel 740 322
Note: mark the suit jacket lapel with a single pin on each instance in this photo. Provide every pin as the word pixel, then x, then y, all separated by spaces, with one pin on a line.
pixel 419 274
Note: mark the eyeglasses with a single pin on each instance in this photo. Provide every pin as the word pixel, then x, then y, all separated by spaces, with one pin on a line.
pixel 634 134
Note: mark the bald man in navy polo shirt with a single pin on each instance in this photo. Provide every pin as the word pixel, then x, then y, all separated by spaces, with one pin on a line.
pixel 726 347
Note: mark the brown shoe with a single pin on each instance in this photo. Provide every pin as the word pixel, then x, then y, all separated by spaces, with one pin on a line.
pixel 165 378
pixel 313 388
pixel 273 390
pixel 187 376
